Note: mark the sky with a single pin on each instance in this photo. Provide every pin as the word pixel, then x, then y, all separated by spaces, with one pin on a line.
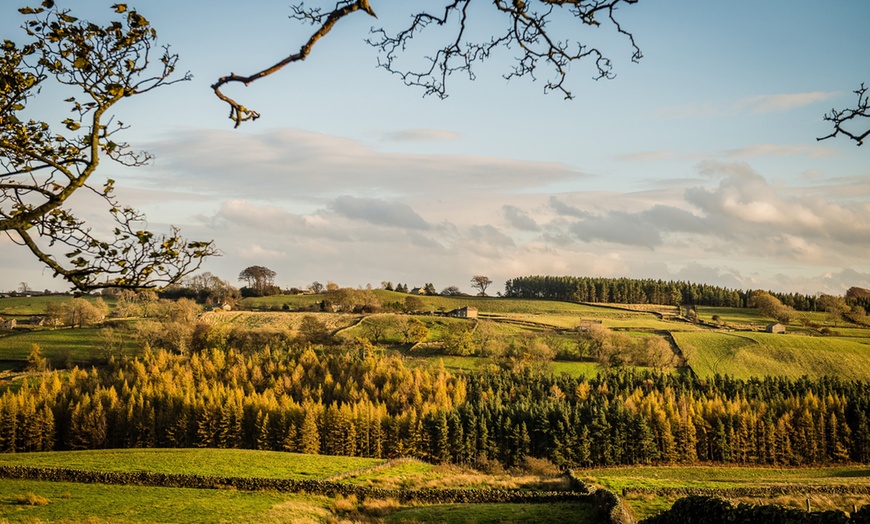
pixel 698 163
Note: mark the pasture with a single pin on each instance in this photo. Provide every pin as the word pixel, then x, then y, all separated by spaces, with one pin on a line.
pixel 74 502
pixel 218 462
pixel 61 346
pixel 752 354
pixel 65 501
pixel 718 477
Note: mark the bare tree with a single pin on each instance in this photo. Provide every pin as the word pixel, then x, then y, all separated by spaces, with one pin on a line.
pixel 480 282
pixel 843 117
pixel 40 169
pixel 529 28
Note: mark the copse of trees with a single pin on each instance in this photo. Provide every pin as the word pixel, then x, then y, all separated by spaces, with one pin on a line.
pixel 76 313
pixel 643 291
pixel 205 288
pixel 260 282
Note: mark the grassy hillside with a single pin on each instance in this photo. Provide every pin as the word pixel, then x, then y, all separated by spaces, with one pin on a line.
pixel 59 346
pixel 34 305
pixel 748 354
pixel 619 478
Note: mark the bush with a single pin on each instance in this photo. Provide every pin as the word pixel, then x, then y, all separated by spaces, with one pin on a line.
pixel 31 499
pixel 345 504
pixel 538 466
pixel 380 507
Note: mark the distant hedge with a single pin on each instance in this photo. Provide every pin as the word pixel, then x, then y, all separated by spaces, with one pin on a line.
pixel 317 487
pixel 712 510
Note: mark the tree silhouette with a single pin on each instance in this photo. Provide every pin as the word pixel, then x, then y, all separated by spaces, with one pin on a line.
pixel 843 117
pixel 528 28
pixel 481 282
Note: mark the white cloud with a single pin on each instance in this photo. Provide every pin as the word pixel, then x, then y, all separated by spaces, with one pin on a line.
pixel 312 206
pixel 780 102
pixel 422 135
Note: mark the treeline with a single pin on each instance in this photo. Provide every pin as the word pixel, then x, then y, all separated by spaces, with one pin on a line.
pixel 641 291
pixel 284 396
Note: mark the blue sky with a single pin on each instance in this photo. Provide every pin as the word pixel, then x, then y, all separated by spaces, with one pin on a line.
pixel 699 163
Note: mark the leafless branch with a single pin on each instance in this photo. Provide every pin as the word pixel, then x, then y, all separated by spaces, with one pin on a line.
pixel 240 113
pixel 843 116
pixel 527 30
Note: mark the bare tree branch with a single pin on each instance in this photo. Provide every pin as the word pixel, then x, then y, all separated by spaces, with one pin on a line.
pixel 841 117
pixel 240 113
pixel 528 28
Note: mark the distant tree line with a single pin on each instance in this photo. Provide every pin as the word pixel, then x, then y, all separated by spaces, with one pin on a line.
pixel 644 291
pixel 265 390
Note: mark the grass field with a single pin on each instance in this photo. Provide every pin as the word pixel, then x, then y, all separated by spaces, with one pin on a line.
pixel 497 513
pixel 752 354
pixel 616 479
pixel 80 345
pixel 276 320
pixel 221 462
pixel 96 503
pixel 294 302
pixel 34 305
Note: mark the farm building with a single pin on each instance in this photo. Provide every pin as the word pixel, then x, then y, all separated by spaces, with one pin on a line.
pixel 775 327
pixel 8 324
pixel 463 312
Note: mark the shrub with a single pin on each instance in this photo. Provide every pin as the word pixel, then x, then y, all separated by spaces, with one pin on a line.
pixel 31 499
pixel 538 466
pixel 346 504
pixel 380 508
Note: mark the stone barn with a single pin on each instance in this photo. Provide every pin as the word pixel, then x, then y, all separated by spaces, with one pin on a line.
pixel 464 312
pixel 776 327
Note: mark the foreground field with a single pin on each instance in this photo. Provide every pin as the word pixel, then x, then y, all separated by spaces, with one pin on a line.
pixel 221 462
pixel 42 501
pixel 645 505
pixel 72 502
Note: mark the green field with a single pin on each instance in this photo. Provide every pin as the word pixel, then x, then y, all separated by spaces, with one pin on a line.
pixel 619 478
pixel 80 345
pixel 221 462
pixel 96 503
pixel 99 503
pixel 35 305
pixel 751 354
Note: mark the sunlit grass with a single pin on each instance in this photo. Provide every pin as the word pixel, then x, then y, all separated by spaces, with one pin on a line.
pixel 220 462
pixel 80 345
pixel 644 505
pixel 752 354
pixel 73 502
